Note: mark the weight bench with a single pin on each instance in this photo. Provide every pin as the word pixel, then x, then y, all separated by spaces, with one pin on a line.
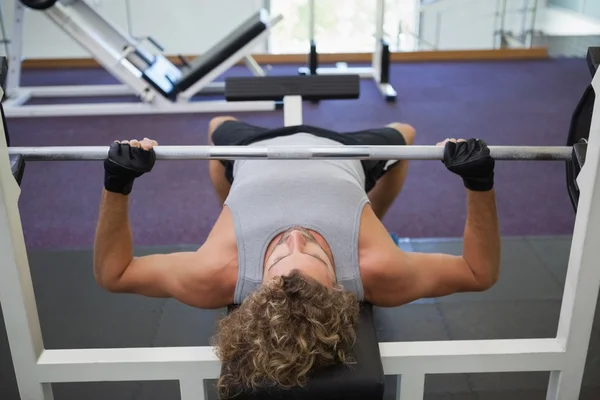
pixel 292 90
pixel 363 380
pixel 139 64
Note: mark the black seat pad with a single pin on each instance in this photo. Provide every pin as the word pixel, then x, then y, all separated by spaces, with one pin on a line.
pixel 17 166
pixel 224 49
pixel 360 381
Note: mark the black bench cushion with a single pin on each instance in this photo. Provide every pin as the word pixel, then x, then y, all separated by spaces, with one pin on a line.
pixel 224 49
pixel 17 166
pixel 360 381
pixel 3 72
pixel 38 4
pixel 593 59
pixel 310 87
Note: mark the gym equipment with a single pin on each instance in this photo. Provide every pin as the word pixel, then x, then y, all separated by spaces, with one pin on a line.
pixel 141 67
pixel 379 70
pixel 73 153
pixel 579 129
pixel 564 355
pixel 17 161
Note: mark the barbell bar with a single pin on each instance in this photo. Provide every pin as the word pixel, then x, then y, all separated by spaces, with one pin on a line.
pixel 82 153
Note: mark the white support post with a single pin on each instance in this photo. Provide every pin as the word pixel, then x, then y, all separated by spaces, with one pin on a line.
pixel 379 21
pixel 13 80
pixel 192 388
pixel 583 275
pixel 412 386
pixel 16 290
pixel 254 66
pixel 292 110
pixel 311 20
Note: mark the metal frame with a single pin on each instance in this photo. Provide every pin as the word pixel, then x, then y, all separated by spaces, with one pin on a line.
pixel 104 41
pixel 563 355
pixel 341 68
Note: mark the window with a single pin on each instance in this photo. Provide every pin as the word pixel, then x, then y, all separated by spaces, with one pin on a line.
pixel 346 26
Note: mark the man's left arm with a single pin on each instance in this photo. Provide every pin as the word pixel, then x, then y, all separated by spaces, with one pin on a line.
pixel 410 276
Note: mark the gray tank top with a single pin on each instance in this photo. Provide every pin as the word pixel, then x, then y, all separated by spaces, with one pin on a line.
pixel 269 196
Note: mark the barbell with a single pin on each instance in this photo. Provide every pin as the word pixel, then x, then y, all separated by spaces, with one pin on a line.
pixel 83 153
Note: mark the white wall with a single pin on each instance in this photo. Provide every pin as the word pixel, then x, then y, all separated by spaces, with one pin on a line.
pixel 181 26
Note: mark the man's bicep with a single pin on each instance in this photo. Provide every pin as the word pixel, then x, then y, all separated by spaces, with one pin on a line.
pixel 436 275
pixel 412 276
pixel 157 275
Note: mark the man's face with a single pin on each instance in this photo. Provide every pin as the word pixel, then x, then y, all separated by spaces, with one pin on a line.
pixel 298 249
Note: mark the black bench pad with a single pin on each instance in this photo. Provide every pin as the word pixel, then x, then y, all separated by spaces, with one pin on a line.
pixel 310 87
pixel 593 59
pixel 224 49
pixel 17 166
pixel 360 381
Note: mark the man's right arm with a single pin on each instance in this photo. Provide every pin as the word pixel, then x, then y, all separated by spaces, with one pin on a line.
pixel 185 276
pixel 190 277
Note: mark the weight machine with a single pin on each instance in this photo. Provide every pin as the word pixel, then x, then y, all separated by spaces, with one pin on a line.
pixel 564 354
pixel 379 70
pixel 139 64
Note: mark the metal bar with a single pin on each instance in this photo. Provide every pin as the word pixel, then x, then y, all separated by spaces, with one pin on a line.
pixel 472 356
pixel 363 72
pixel 192 388
pixel 101 90
pixel 254 66
pixel 13 80
pixel 379 34
pixel 311 20
pixel 531 31
pixel 181 363
pixel 412 386
pixel 60 110
pixel 82 153
pixel 292 110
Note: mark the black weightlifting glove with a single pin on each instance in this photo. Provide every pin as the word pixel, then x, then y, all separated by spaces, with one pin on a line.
pixel 125 163
pixel 471 160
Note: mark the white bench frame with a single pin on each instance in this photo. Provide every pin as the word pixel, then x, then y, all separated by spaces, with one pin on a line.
pixel 104 40
pixel 564 355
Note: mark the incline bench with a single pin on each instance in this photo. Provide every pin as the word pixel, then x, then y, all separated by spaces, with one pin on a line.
pixel 139 65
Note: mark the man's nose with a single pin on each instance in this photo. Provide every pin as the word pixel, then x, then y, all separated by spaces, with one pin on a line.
pixel 296 241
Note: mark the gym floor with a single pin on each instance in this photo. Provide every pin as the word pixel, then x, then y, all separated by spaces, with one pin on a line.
pixel 505 103
pixel 525 303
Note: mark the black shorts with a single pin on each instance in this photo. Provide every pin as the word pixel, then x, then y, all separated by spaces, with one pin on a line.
pixel 236 133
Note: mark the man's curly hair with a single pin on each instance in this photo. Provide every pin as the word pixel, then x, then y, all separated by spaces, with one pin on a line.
pixel 291 326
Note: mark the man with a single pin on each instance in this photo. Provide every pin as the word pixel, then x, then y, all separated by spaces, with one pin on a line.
pixel 297 245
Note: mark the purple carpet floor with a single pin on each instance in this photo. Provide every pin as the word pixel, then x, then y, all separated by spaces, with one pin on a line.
pixel 505 103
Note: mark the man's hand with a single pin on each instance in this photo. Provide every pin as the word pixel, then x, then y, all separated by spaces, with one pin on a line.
pixel 471 160
pixel 127 160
